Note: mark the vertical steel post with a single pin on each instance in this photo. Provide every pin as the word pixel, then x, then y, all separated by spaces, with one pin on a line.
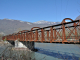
pixel 21 35
pixel 79 24
pixel 36 35
pixel 63 34
pixel 31 35
pixel 42 34
pixel 12 36
pixel 26 36
pixel 75 31
pixel 47 35
pixel 54 34
pixel 79 28
pixel 16 36
pixel 8 37
pixel 51 35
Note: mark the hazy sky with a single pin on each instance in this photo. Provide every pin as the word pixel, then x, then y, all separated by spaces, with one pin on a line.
pixel 36 10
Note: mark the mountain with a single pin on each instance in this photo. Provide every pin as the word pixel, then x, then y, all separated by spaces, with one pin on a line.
pixel 9 26
pixel 46 22
pixel 78 18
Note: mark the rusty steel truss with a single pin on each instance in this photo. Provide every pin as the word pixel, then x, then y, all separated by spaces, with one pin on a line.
pixel 66 32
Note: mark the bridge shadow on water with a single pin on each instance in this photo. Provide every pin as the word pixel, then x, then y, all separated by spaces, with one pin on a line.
pixel 58 54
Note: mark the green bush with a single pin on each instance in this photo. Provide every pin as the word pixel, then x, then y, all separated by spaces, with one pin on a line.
pixel 5 39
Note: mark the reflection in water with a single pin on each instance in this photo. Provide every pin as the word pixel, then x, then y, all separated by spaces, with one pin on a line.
pixel 60 51
pixel 58 54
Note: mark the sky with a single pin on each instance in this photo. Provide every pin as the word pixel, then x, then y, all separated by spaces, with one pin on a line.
pixel 36 10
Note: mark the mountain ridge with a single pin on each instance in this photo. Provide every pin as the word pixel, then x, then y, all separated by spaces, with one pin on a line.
pixel 46 22
pixel 9 26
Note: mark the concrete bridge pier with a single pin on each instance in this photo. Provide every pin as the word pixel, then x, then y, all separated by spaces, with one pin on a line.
pixel 30 45
pixel 24 44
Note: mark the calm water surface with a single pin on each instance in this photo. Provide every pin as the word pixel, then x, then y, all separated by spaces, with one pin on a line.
pixel 53 51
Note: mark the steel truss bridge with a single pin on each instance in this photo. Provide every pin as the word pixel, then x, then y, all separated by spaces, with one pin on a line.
pixel 66 32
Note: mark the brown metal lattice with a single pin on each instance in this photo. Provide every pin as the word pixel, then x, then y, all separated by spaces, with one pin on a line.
pixel 64 32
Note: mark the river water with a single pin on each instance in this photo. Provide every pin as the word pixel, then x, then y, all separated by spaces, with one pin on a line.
pixel 54 51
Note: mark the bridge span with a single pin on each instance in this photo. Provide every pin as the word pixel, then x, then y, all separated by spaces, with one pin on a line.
pixel 66 32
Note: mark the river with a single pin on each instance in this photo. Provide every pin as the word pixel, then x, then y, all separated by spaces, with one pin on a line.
pixel 55 51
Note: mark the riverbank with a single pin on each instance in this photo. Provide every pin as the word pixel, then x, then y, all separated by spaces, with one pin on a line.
pixel 9 52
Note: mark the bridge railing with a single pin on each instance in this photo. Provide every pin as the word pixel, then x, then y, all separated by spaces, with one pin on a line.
pixel 64 32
